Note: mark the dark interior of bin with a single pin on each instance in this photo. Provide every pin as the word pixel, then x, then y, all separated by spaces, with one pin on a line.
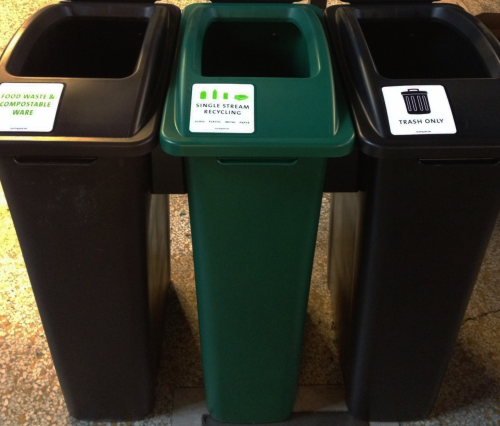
pixel 254 49
pixel 421 49
pixel 87 48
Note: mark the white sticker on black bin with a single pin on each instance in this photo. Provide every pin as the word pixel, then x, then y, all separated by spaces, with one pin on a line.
pixel 418 110
pixel 29 107
pixel 222 108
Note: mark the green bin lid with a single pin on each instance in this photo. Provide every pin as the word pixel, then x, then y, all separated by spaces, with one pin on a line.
pixel 223 102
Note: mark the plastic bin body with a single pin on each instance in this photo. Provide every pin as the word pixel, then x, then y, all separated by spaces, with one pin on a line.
pixel 406 249
pixel 255 198
pixel 254 233
pixel 94 239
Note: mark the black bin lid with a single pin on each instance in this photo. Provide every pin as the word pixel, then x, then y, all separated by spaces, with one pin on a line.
pixel 477 128
pixel 89 120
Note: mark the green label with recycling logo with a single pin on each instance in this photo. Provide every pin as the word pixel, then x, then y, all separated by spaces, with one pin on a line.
pixel 222 108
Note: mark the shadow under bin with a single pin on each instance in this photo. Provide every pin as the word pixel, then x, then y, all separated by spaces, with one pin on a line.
pixel 255 111
pixel 405 250
pixel 82 84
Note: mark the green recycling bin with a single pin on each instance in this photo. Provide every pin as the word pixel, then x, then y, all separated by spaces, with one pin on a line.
pixel 254 109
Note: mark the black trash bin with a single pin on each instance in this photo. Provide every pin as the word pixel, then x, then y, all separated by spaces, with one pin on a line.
pixel 405 250
pixel 82 86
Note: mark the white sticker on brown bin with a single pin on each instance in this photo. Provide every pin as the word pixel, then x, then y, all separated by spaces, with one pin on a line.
pixel 29 107
pixel 418 110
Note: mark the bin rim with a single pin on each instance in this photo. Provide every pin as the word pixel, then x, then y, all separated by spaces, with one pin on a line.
pixel 139 144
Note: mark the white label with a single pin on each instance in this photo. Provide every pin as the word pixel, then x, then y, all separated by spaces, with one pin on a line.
pixel 415 110
pixel 222 108
pixel 29 107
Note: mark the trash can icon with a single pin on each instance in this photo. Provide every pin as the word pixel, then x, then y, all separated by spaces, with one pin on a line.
pixel 416 102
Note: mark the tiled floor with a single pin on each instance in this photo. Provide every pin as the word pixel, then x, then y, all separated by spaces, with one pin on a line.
pixel 29 389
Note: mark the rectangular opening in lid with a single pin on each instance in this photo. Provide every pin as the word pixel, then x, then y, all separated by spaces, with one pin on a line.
pixel 254 49
pixel 421 49
pixel 86 48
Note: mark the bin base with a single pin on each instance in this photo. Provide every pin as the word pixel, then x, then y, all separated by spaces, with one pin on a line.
pixel 301 419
